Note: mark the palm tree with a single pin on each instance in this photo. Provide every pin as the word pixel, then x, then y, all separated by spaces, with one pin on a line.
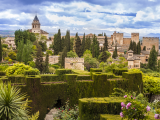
pixel 12 103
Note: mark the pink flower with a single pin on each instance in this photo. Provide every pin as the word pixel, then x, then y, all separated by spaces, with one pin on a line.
pixel 122 104
pixel 121 114
pixel 134 108
pixel 148 108
pixel 131 96
pixel 125 96
pixel 156 116
pixel 121 108
pixel 128 105
pixel 134 98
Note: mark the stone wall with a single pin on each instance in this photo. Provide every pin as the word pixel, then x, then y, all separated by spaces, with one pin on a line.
pixel 126 41
pixel 74 63
pixel 52 59
pixel 118 37
pixel 149 42
pixel 135 37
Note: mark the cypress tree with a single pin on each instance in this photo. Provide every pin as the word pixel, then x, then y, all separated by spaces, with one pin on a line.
pixel 62 43
pixel 87 44
pixel 152 60
pixel 78 45
pixel 56 49
pixel 105 44
pixel 95 47
pixel 0 50
pixel 131 46
pixel 39 58
pixel 59 41
pixel 134 48
pixel 103 58
pixel 46 70
pixel 83 44
pixel 144 48
pixel 67 40
pixel 138 48
pixel 115 53
pixel 63 54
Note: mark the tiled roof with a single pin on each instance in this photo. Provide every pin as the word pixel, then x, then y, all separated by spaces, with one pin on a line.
pixel 36 18
pixel 130 51
pixel 42 31
pixel 145 52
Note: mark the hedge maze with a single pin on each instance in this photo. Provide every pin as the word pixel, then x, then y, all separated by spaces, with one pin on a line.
pixel 45 90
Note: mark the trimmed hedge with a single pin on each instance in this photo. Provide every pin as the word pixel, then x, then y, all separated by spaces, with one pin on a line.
pixel 50 78
pixel 118 117
pixel 17 79
pixel 95 70
pixel 2 73
pixel 91 108
pixel 119 71
pixel 81 72
pixel 83 77
pixel 32 72
pixel 61 73
pixel 45 96
pixel 135 81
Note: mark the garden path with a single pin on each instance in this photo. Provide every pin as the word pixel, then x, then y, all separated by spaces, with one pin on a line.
pixel 51 113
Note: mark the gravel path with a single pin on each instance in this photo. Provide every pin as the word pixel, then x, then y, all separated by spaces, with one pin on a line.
pixel 51 113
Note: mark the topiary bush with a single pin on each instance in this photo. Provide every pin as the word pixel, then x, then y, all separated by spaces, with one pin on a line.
pixel 17 69
pixel 32 71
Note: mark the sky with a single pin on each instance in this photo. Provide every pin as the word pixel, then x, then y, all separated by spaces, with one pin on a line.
pixel 83 16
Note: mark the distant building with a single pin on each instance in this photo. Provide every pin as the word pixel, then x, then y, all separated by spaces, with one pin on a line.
pixel 74 63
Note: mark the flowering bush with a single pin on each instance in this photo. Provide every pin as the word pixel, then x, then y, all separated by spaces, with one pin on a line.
pixel 133 108
pixel 67 113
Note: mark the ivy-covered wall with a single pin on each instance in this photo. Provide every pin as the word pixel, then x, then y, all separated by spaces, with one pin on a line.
pixel 45 93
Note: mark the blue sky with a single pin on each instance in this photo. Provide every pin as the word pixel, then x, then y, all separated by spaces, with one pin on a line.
pixel 89 16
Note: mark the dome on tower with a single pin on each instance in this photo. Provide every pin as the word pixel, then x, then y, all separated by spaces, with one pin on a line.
pixel 36 18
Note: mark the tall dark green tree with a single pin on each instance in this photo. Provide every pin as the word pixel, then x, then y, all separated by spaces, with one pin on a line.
pixel 138 48
pixel 78 45
pixel 87 44
pixel 46 68
pixel 134 48
pixel 62 42
pixel 63 54
pixel 152 60
pixel 115 53
pixel 103 57
pixel 43 45
pixel 83 44
pixel 95 47
pixel 144 48
pixel 57 43
pixel 0 50
pixel 131 46
pixel 39 58
pixel 67 40
pixel 105 48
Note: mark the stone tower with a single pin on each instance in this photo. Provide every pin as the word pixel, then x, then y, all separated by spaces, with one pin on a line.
pixel 36 25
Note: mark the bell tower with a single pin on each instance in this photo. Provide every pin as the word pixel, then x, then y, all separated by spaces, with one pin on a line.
pixel 36 25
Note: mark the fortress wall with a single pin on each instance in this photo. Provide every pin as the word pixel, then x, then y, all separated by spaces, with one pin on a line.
pixel 135 37
pixel 118 37
pixel 126 41
pixel 149 42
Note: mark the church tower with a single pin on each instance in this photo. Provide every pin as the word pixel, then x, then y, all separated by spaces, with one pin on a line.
pixel 36 25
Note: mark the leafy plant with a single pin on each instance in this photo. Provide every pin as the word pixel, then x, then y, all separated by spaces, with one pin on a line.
pixel 133 108
pixel 67 113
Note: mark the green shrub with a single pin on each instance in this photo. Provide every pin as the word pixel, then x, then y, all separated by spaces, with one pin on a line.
pixel 2 73
pixel 54 66
pixel 3 67
pixel 12 55
pixel 91 108
pixel 83 77
pixel 52 70
pixel 62 72
pixel 32 71
pixel 17 69
pixel 118 71
pixel 50 78
pixel 81 72
pixel 118 117
pixel 17 79
pixel 32 64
